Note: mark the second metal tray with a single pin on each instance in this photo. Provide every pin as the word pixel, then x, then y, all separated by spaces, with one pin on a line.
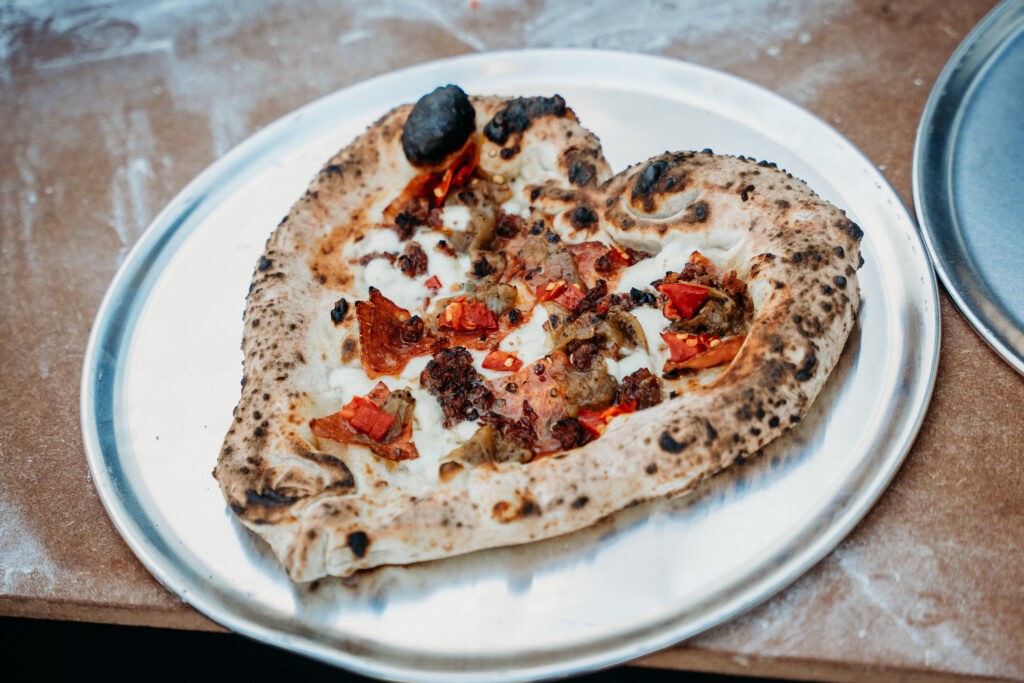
pixel 969 174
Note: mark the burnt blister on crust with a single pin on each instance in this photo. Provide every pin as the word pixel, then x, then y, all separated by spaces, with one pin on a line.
pixel 358 542
pixel 579 165
pixel 852 229
pixel 268 497
pixel 513 119
pixel 806 371
pixel 583 218
pixel 506 512
pixel 670 445
pixel 439 124
pixel 659 178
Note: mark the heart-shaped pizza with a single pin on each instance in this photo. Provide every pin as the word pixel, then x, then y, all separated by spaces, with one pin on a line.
pixel 468 333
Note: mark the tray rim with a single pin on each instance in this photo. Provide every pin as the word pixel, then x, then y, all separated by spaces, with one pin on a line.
pixel 141 256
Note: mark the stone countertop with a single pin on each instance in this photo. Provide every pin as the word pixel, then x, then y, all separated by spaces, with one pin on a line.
pixel 109 111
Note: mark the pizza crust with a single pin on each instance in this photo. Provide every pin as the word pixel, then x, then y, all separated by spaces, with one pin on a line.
pixel 330 510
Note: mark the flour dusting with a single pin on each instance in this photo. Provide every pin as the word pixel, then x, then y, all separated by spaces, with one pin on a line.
pixel 895 615
pixel 25 559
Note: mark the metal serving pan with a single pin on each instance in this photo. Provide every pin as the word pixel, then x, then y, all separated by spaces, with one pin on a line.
pixel 969 175
pixel 163 364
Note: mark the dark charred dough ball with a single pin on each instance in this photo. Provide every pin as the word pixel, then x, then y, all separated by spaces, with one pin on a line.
pixel 438 125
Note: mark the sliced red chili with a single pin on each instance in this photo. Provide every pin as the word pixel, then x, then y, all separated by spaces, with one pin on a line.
pixel 621 256
pixel 571 297
pixel 501 361
pixel 421 186
pixel 367 418
pixel 685 298
pixel 468 316
pixel 717 353
pixel 456 175
pixel 435 186
pixel 550 290
pixel 595 422
pixel 682 346
pixel 433 283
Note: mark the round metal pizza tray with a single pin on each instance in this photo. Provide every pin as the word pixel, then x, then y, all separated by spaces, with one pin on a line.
pixel 163 364
pixel 968 171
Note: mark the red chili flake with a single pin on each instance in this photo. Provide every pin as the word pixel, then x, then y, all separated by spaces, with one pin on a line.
pixel 501 361
pixel 621 256
pixel 367 418
pixel 682 346
pixel 468 316
pixel 550 290
pixel 571 297
pixel 684 297
pixel 711 351
pixel 595 422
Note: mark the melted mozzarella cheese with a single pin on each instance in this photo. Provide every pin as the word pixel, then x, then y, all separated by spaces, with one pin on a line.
pixel 629 364
pixel 517 206
pixel 393 283
pixel 350 382
pixel 653 322
pixel 413 368
pixel 456 217
pixel 673 257
pixel 529 342
pixel 449 270
pixel 433 440
pixel 409 293
pixel 380 239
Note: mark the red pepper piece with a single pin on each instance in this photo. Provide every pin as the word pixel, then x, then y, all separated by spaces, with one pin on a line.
pixel 501 361
pixel 422 185
pixel 595 422
pixel 452 314
pixel 367 418
pixel 718 352
pixel 462 175
pixel 362 413
pixel 550 290
pixel 468 316
pixel 476 316
pixel 620 256
pixel 571 297
pixel 686 298
pixel 435 186
pixel 361 421
pixel 682 346
pixel 457 174
pixel 433 283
